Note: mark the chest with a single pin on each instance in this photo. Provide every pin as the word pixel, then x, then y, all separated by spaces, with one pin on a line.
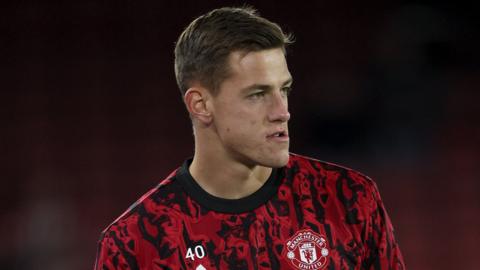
pixel 284 234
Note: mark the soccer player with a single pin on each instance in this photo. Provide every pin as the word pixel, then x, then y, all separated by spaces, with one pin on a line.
pixel 244 201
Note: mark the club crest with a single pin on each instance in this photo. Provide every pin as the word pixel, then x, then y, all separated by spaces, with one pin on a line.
pixel 307 250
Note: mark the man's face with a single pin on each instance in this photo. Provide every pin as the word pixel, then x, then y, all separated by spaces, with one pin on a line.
pixel 250 111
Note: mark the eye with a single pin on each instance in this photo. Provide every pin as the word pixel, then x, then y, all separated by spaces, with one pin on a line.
pixel 286 90
pixel 257 95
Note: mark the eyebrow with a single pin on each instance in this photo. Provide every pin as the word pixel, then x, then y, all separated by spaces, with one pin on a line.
pixel 265 87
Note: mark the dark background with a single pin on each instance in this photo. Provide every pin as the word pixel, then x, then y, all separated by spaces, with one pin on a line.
pixel 91 117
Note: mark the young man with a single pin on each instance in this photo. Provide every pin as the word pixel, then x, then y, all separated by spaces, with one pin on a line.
pixel 243 201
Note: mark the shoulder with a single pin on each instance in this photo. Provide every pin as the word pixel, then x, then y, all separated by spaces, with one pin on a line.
pixel 143 228
pixel 152 205
pixel 342 181
pixel 319 168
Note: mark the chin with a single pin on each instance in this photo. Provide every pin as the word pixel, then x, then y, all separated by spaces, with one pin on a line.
pixel 278 161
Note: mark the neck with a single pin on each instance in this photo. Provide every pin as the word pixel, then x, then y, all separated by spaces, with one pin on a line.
pixel 223 176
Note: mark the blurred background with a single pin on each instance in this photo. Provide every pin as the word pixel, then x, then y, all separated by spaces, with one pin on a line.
pixel 91 117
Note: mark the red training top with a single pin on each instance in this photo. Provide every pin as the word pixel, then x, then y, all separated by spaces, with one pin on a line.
pixel 308 215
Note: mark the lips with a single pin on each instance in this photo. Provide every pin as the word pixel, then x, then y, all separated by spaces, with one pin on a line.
pixel 279 135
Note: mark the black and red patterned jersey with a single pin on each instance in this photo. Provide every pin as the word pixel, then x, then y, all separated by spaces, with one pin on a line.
pixel 308 215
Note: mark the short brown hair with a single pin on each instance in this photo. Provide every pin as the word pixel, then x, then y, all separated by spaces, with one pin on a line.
pixel 202 50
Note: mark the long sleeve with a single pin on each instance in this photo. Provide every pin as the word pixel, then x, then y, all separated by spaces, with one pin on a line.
pixel 113 254
pixel 383 251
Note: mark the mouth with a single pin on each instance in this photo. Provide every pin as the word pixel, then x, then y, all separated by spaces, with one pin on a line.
pixel 281 135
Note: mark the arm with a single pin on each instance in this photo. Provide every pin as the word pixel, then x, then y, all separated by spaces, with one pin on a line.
pixel 382 250
pixel 113 254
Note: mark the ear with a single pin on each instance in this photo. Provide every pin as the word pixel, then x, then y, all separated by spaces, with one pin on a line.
pixel 196 99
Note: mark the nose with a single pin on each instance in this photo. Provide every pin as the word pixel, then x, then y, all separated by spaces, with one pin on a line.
pixel 278 111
